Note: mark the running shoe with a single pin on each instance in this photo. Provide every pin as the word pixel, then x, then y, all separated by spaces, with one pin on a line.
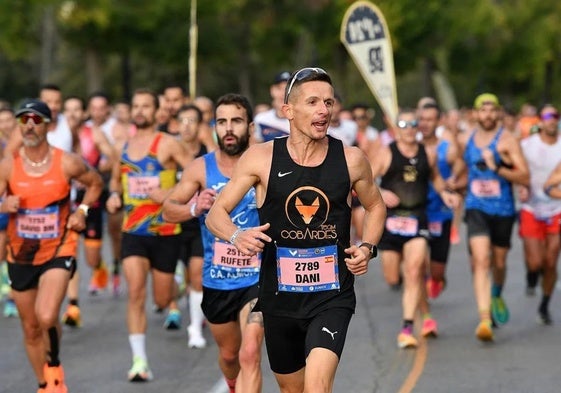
pixel 454 235
pixel 544 317
pixel 196 338
pixel 10 309
pixel 530 291
pixel 72 316
pixel 484 331
pixel 173 320
pixel 435 288
pixel 499 310
pixel 140 372
pixel 55 379
pixel 430 328
pixel 405 339
pixel 100 279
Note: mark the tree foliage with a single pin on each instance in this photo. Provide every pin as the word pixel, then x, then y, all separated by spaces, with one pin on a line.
pixel 510 47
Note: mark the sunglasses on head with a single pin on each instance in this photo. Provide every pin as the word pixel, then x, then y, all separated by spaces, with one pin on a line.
pixel 36 119
pixel 550 116
pixel 300 75
pixel 404 124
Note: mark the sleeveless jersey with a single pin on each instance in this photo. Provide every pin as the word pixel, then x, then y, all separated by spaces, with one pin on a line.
pixel 436 209
pixel 487 191
pixel 88 149
pixel 142 216
pixel 37 233
pixel 409 179
pixel 225 268
pixel 303 270
pixel 61 136
pixel 542 159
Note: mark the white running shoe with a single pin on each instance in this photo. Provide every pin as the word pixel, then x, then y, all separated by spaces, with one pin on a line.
pixel 196 338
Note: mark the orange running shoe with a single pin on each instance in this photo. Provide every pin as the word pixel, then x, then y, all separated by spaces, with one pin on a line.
pixel 72 316
pixel 100 278
pixel 405 339
pixel 484 331
pixel 55 379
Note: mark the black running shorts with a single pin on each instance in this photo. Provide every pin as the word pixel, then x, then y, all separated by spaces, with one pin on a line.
pixel 25 277
pixel 224 306
pixel 289 341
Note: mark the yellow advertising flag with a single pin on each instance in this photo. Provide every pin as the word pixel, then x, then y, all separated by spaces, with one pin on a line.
pixel 365 35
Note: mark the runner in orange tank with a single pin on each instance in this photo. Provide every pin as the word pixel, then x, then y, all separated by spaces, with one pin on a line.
pixel 42 236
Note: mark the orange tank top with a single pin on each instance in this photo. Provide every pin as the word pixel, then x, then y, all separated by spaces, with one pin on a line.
pixel 37 233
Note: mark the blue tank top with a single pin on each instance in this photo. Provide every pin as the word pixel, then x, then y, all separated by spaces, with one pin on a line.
pixel 224 267
pixel 487 191
pixel 436 209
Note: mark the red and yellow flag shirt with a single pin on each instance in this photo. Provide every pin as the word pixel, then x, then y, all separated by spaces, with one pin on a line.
pixel 143 216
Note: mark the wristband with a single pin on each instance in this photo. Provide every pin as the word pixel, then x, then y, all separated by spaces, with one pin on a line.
pixel 547 190
pixel 192 210
pixel 116 193
pixel 235 235
pixel 84 209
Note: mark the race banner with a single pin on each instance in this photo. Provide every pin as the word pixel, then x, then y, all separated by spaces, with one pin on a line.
pixel 365 35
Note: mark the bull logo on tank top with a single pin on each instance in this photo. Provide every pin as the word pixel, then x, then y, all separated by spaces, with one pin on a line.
pixel 307 209
pixel 409 173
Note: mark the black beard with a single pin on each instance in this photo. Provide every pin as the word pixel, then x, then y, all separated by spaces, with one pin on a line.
pixel 143 125
pixel 235 149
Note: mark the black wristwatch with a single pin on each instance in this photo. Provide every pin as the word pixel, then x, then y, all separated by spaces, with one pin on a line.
pixel 371 247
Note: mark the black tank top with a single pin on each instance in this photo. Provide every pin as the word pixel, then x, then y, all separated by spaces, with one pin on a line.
pixel 307 207
pixel 409 179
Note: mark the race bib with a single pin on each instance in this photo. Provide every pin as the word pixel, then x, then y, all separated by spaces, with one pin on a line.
pixel 228 257
pixel 38 223
pixel 435 228
pixel 488 188
pixel 140 185
pixel 404 226
pixel 307 269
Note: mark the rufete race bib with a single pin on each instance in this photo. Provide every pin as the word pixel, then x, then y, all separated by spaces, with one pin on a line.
pixel 488 188
pixel 38 223
pixel 404 226
pixel 307 269
pixel 227 256
pixel 435 228
pixel 139 185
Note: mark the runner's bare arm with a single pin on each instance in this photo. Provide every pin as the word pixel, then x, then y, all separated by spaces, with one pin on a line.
pixel 368 193
pixel 516 170
pixel 9 203
pixel 176 207
pixel 114 202
pixel 375 209
pixel 179 153
pixel 551 185
pixel 103 145
pixel 75 168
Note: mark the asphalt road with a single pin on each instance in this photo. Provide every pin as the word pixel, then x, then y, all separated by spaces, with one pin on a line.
pixel 525 356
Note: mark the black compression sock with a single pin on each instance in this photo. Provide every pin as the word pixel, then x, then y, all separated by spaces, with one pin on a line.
pixel 532 279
